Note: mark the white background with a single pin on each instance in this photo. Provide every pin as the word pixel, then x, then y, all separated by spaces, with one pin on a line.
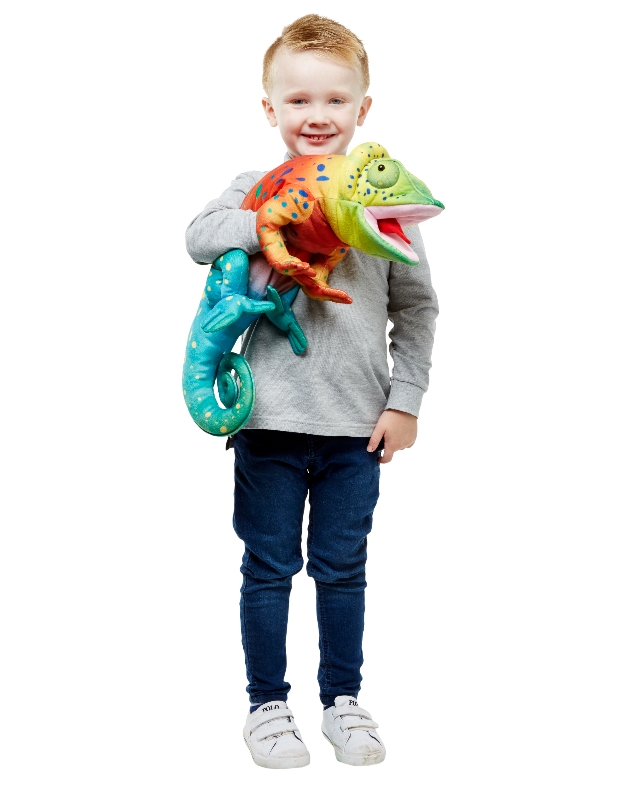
pixel 497 646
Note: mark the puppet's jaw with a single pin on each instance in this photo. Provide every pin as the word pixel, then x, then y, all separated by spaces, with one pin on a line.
pixel 406 215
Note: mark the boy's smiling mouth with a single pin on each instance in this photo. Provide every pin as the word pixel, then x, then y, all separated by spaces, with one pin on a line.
pixel 318 137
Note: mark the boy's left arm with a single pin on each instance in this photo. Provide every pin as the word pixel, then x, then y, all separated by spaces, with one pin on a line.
pixel 413 308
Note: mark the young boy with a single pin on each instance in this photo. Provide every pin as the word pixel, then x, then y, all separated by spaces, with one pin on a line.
pixel 320 419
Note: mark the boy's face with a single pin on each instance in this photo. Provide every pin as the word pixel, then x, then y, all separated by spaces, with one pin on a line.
pixel 316 103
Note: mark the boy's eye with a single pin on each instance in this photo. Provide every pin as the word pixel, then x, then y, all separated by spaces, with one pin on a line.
pixel 336 101
pixel 298 101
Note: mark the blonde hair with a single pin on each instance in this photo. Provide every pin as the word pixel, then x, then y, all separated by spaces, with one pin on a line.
pixel 319 34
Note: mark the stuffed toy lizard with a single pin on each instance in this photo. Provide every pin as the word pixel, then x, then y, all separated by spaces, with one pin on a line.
pixel 309 212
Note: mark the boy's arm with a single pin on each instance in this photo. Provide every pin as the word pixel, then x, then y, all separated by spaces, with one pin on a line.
pixel 222 225
pixel 413 308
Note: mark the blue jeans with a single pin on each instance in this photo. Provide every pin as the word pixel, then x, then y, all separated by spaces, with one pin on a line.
pixel 273 473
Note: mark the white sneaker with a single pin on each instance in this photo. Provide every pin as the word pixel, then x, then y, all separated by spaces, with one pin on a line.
pixel 350 730
pixel 273 737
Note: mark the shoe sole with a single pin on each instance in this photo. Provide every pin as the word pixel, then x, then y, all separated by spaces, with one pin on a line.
pixel 356 760
pixel 293 762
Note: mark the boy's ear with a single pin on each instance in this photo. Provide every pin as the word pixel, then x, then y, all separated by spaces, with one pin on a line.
pixel 363 111
pixel 270 112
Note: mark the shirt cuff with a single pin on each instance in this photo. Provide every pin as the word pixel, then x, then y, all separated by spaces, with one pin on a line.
pixel 254 242
pixel 405 396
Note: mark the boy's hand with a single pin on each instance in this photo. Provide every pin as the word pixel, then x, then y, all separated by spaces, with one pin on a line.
pixel 399 430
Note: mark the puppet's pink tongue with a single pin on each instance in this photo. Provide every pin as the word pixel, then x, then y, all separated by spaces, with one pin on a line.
pixel 392 226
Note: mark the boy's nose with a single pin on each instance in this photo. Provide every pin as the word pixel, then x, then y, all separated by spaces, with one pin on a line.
pixel 318 117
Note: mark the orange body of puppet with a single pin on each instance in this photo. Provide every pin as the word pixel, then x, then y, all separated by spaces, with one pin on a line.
pixel 312 209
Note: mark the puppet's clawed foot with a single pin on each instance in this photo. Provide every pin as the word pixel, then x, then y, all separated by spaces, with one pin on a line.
pixel 319 291
pixel 285 320
pixel 228 311
pixel 293 266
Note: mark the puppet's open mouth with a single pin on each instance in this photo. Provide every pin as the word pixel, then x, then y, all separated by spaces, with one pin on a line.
pixel 389 226
pixel 386 220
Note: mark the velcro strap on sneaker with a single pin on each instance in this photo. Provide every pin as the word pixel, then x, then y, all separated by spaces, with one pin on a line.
pixel 276 714
pixel 351 725
pixel 274 728
pixel 350 711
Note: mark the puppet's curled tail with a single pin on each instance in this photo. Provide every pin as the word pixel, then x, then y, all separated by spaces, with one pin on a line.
pixel 227 308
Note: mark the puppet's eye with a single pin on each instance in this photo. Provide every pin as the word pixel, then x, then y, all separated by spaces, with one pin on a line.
pixel 383 174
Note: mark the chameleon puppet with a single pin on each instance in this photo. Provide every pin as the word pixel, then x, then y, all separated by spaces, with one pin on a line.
pixel 309 212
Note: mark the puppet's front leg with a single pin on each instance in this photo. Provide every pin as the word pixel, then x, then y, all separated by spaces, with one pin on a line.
pixel 317 287
pixel 289 206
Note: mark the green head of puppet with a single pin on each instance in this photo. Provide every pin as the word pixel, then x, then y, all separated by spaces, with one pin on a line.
pixel 375 198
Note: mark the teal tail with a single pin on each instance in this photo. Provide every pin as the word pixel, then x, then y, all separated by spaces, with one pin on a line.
pixel 229 305
pixel 208 358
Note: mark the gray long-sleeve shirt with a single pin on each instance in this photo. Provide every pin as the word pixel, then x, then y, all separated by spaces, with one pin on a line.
pixel 341 384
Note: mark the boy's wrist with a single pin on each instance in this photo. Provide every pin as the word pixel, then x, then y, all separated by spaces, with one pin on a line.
pixel 405 397
pixel 255 245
